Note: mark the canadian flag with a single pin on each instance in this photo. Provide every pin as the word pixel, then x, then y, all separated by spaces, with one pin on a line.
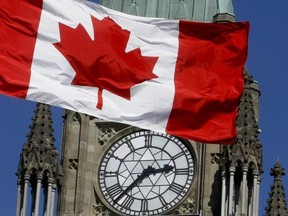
pixel 179 77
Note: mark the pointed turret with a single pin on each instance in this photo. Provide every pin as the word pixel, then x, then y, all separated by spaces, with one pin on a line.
pixel 242 162
pixel 38 164
pixel 276 204
pixel 248 148
pixel 39 152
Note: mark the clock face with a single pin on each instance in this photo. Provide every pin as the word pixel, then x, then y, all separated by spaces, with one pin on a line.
pixel 146 173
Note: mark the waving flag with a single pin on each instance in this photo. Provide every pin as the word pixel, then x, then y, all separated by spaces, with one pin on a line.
pixel 179 77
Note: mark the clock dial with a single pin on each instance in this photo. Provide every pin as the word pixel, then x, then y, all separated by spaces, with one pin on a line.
pixel 146 173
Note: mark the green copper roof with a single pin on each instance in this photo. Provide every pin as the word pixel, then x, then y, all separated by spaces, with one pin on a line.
pixel 196 10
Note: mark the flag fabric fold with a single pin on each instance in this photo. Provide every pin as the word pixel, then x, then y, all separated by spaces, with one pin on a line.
pixel 174 76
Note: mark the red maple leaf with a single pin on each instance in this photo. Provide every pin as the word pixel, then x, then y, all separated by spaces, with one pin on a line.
pixel 103 62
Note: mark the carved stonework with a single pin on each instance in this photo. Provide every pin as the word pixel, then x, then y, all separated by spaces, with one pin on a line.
pixel 99 210
pixel 39 155
pixel 76 118
pixel 215 158
pixel 73 164
pixel 188 206
pixel 276 203
pixel 247 147
pixel 105 134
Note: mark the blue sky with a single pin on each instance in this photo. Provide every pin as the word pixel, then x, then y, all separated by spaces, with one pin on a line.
pixel 267 62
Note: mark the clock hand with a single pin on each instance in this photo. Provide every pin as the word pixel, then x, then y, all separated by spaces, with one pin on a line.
pixel 167 168
pixel 145 173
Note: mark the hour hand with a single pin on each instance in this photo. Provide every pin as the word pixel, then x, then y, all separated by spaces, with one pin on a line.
pixel 145 173
pixel 167 168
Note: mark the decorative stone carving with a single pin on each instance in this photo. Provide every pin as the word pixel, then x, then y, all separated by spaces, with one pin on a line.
pixel 38 164
pixel 73 164
pixel 276 203
pixel 215 158
pixel 105 134
pixel 188 206
pixel 76 118
pixel 99 210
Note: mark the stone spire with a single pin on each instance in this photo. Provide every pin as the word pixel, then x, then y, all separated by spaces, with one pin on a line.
pixel 276 204
pixel 243 160
pixel 39 153
pixel 38 164
pixel 247 148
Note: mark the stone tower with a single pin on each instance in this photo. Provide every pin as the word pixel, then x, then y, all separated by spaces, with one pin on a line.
pixel 101 159
pixel 38 167
pixel 241 163
pixel 276 203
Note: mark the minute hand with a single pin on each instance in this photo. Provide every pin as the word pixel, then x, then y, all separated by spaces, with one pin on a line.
pixel 145 173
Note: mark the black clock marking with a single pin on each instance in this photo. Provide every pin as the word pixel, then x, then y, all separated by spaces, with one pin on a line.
pixel 183 171
pixel 114 190
pixel 144 206
pixel 148 140
pixel 127 203
pixel 177 188
pixel 145 173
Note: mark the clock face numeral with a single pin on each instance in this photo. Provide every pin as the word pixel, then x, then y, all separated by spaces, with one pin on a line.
pixel 114 190
pixel 182 171
pixel 163 201
pixel 144 206
pixel 127 203
pixel 177 188
pixel 111 174
pixel 180 154
pixel 148 140
pixel 145 173
pixel 130 145
pixel 116 157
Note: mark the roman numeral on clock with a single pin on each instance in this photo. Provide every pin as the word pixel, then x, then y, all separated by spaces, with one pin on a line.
pixel 144 206
pixel 180 154
pixel 114 190
pixel 162 200
pixel 182 171
pixel 111 173
pixel 176 188
pixel 148 140
pixel 130 145
pixel 127 203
